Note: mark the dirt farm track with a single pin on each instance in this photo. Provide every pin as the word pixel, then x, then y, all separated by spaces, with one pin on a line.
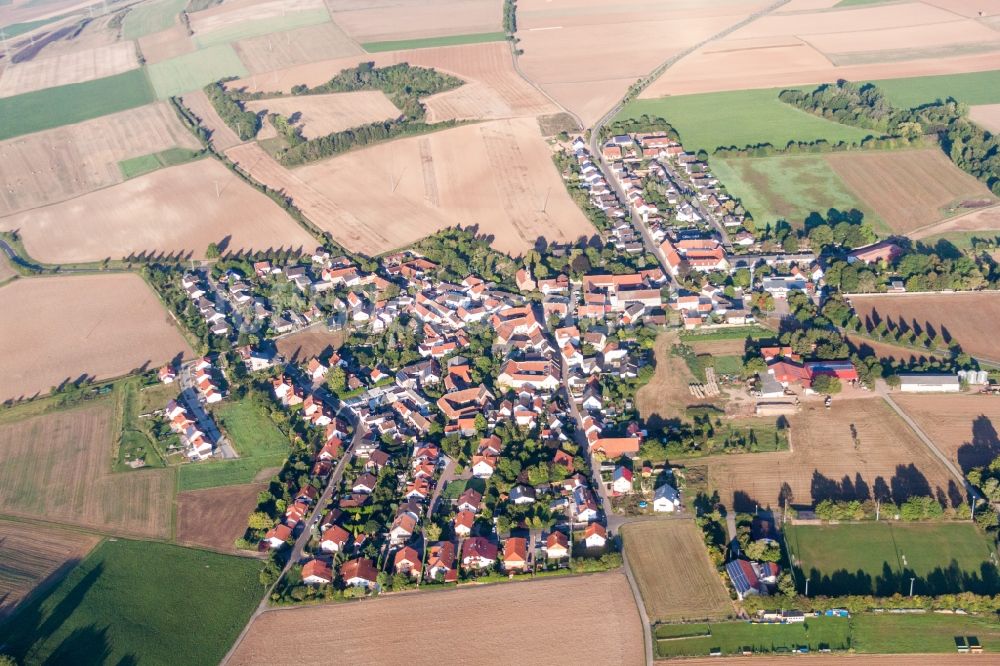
pixel 605 626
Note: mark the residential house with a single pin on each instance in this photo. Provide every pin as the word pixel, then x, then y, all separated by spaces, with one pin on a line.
pixel 595 536
pixel 556 546
pixel 515 554
pixel 316 572
pixel 334 539
pixel 407 562
pixel 478 553
pixel 666 499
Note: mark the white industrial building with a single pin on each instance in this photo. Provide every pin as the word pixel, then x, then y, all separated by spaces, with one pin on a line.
pixel 926 383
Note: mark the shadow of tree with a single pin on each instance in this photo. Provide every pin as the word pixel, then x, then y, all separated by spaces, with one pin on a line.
pixel 983 448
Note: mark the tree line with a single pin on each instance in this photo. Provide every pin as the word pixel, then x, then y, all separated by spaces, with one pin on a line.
pixel 245 123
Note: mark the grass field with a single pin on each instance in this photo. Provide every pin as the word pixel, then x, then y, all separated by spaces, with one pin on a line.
pixel 448 40
pixel 129 602
pixel 924 633
pixel 737 333
pixel 73 103
pixel 143 164
pixel 728 365
pixel 971 88
pixel 733 637
pixel 17 29
pixel 253 433
pixel 145 19
pixel 881 558
pixel 193 71
pixel 263 26
pixel 739 118
pixel 788 187
pixel 198 476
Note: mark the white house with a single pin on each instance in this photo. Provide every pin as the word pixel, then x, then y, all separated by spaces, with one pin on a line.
pixel 666 499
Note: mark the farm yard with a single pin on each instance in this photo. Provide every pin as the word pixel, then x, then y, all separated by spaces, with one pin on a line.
pixel 845 452
pixel 195 204
pixel 162 590
pixel 312 43
pixel 603 611
pixel 414 19
pixel 216 517
pixel 69 480
pixel 672 591
pixel 964 317
pixel 880 558
pixel 97 326
pixel 73 67
pixel 326 114
pixel 62 163
pixel 32 554
pixel 963 427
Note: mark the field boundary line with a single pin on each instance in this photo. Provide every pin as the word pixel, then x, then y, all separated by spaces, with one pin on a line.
pixel 647 634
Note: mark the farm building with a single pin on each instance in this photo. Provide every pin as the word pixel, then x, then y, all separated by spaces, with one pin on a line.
pixel 929 383
pixel 751 578
pixel 842 370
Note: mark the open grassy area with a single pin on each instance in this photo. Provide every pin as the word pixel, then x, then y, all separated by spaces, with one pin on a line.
pixel 253 433
pixel 194 70
pixel 733 637
pixel 428 42
pixel 264 26
pixel 73 103
pixel 728 365
pixel 787 187
pixel 882 557
pixel 921 633
pixel 145 19
pixel 739 118
pixel 971 88
pixel 144 164
pixel 735 333
pixel 215 473
pixel 131 602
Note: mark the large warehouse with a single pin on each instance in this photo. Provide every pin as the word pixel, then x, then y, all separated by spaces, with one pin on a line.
pixel 925 383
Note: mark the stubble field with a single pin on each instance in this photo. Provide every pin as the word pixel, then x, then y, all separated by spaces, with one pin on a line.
pixel 603 611
pixel 672 591
pixel 214 518
pixel 69 480
pixel 849 451
pixel 62 163
pixel 71 67
pixel 968 318
pixel 326 114
pixel 90 325
pixel 967 224
pixel 165 44
pixel 963 427
pixel 987 115
pixel 31 554
pixel 666 395
pixel 288 48
pixel 175 210
pixel 410 19
pixel 222 136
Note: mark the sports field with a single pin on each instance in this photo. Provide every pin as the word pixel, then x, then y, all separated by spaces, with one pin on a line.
pixel 733 637
pixel 73 103
pixel 448 40
pixel 193 71
pixel 131 602
pixel 739 118
pixel 882 557
pixel 971 88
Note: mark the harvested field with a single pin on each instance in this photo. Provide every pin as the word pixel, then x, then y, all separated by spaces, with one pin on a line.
pixel 828 461
pixel 6 269
pixel 71 67
pixel 309 343
pixel 69 480
pixel 216 517
pixel 62 163
pixel 965 317
pixel 666 395
pixel 89 325
pixel 412 19
pixel 194 204
pixel 166 44
pixel 839 660
pixel 987 115
pixel 193 71
pixel 963 427
pixel 734 347
pixel 222 136
pixel 32 555
pixel 326 114
pixel 242 19
pixel 671 593
pixel 908 189
pixel 280 50
pixel 984 219
pixel 23 11
pixel 603 610
pixel 885 350
pixel 496 176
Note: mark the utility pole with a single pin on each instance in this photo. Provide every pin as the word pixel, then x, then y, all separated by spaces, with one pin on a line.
pixel 807 587
pixel 911 586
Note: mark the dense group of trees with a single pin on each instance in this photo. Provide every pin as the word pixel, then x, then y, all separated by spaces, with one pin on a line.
pixel 245 123
pixel 459 253
pixel 510 16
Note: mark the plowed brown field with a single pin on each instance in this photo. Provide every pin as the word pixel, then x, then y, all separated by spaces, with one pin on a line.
pixel 968 318
pixel 65 162
pixel 602 608
pixel 216 517
pixel 963 427
pixel 984 219
pixel 828 461
pixel 56 468
pixel 31 554
pixel 326 114
pixel 59 328
pixel 180 209
pixel 71 67
pixel 295 47
pixel 306 344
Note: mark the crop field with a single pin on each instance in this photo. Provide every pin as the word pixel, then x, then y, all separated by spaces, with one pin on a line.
pixel 218 473
pixel 7 270
pixel 675 577
pixel 72 67
pixel 151 17
pixel 732 638
pixel 193 71
pixel 222 136
pixel 165 44
pixel 973 88
pixel 962 228
pixel 909 189
pixel 20 11
pixel 326 114
pixel 414 19
pixel 162 590
pixel 928 633
pixel 497 176
pixel 91 326
pixel 303 345
pixel 963 427
pixel 195 204
pixel 216 517
pixel 734 347
pixel 986 115
pixel 967 318
pixel 450 40
pixel 603 611
pixel 255 27
pixel 279 50
pixel 880 558
pixel 32 554
pixel 138 166
pixel 851 451
pixel 740 118
pixel 69 479
pixel 787 187
pixel 73 103
pixel 65 162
